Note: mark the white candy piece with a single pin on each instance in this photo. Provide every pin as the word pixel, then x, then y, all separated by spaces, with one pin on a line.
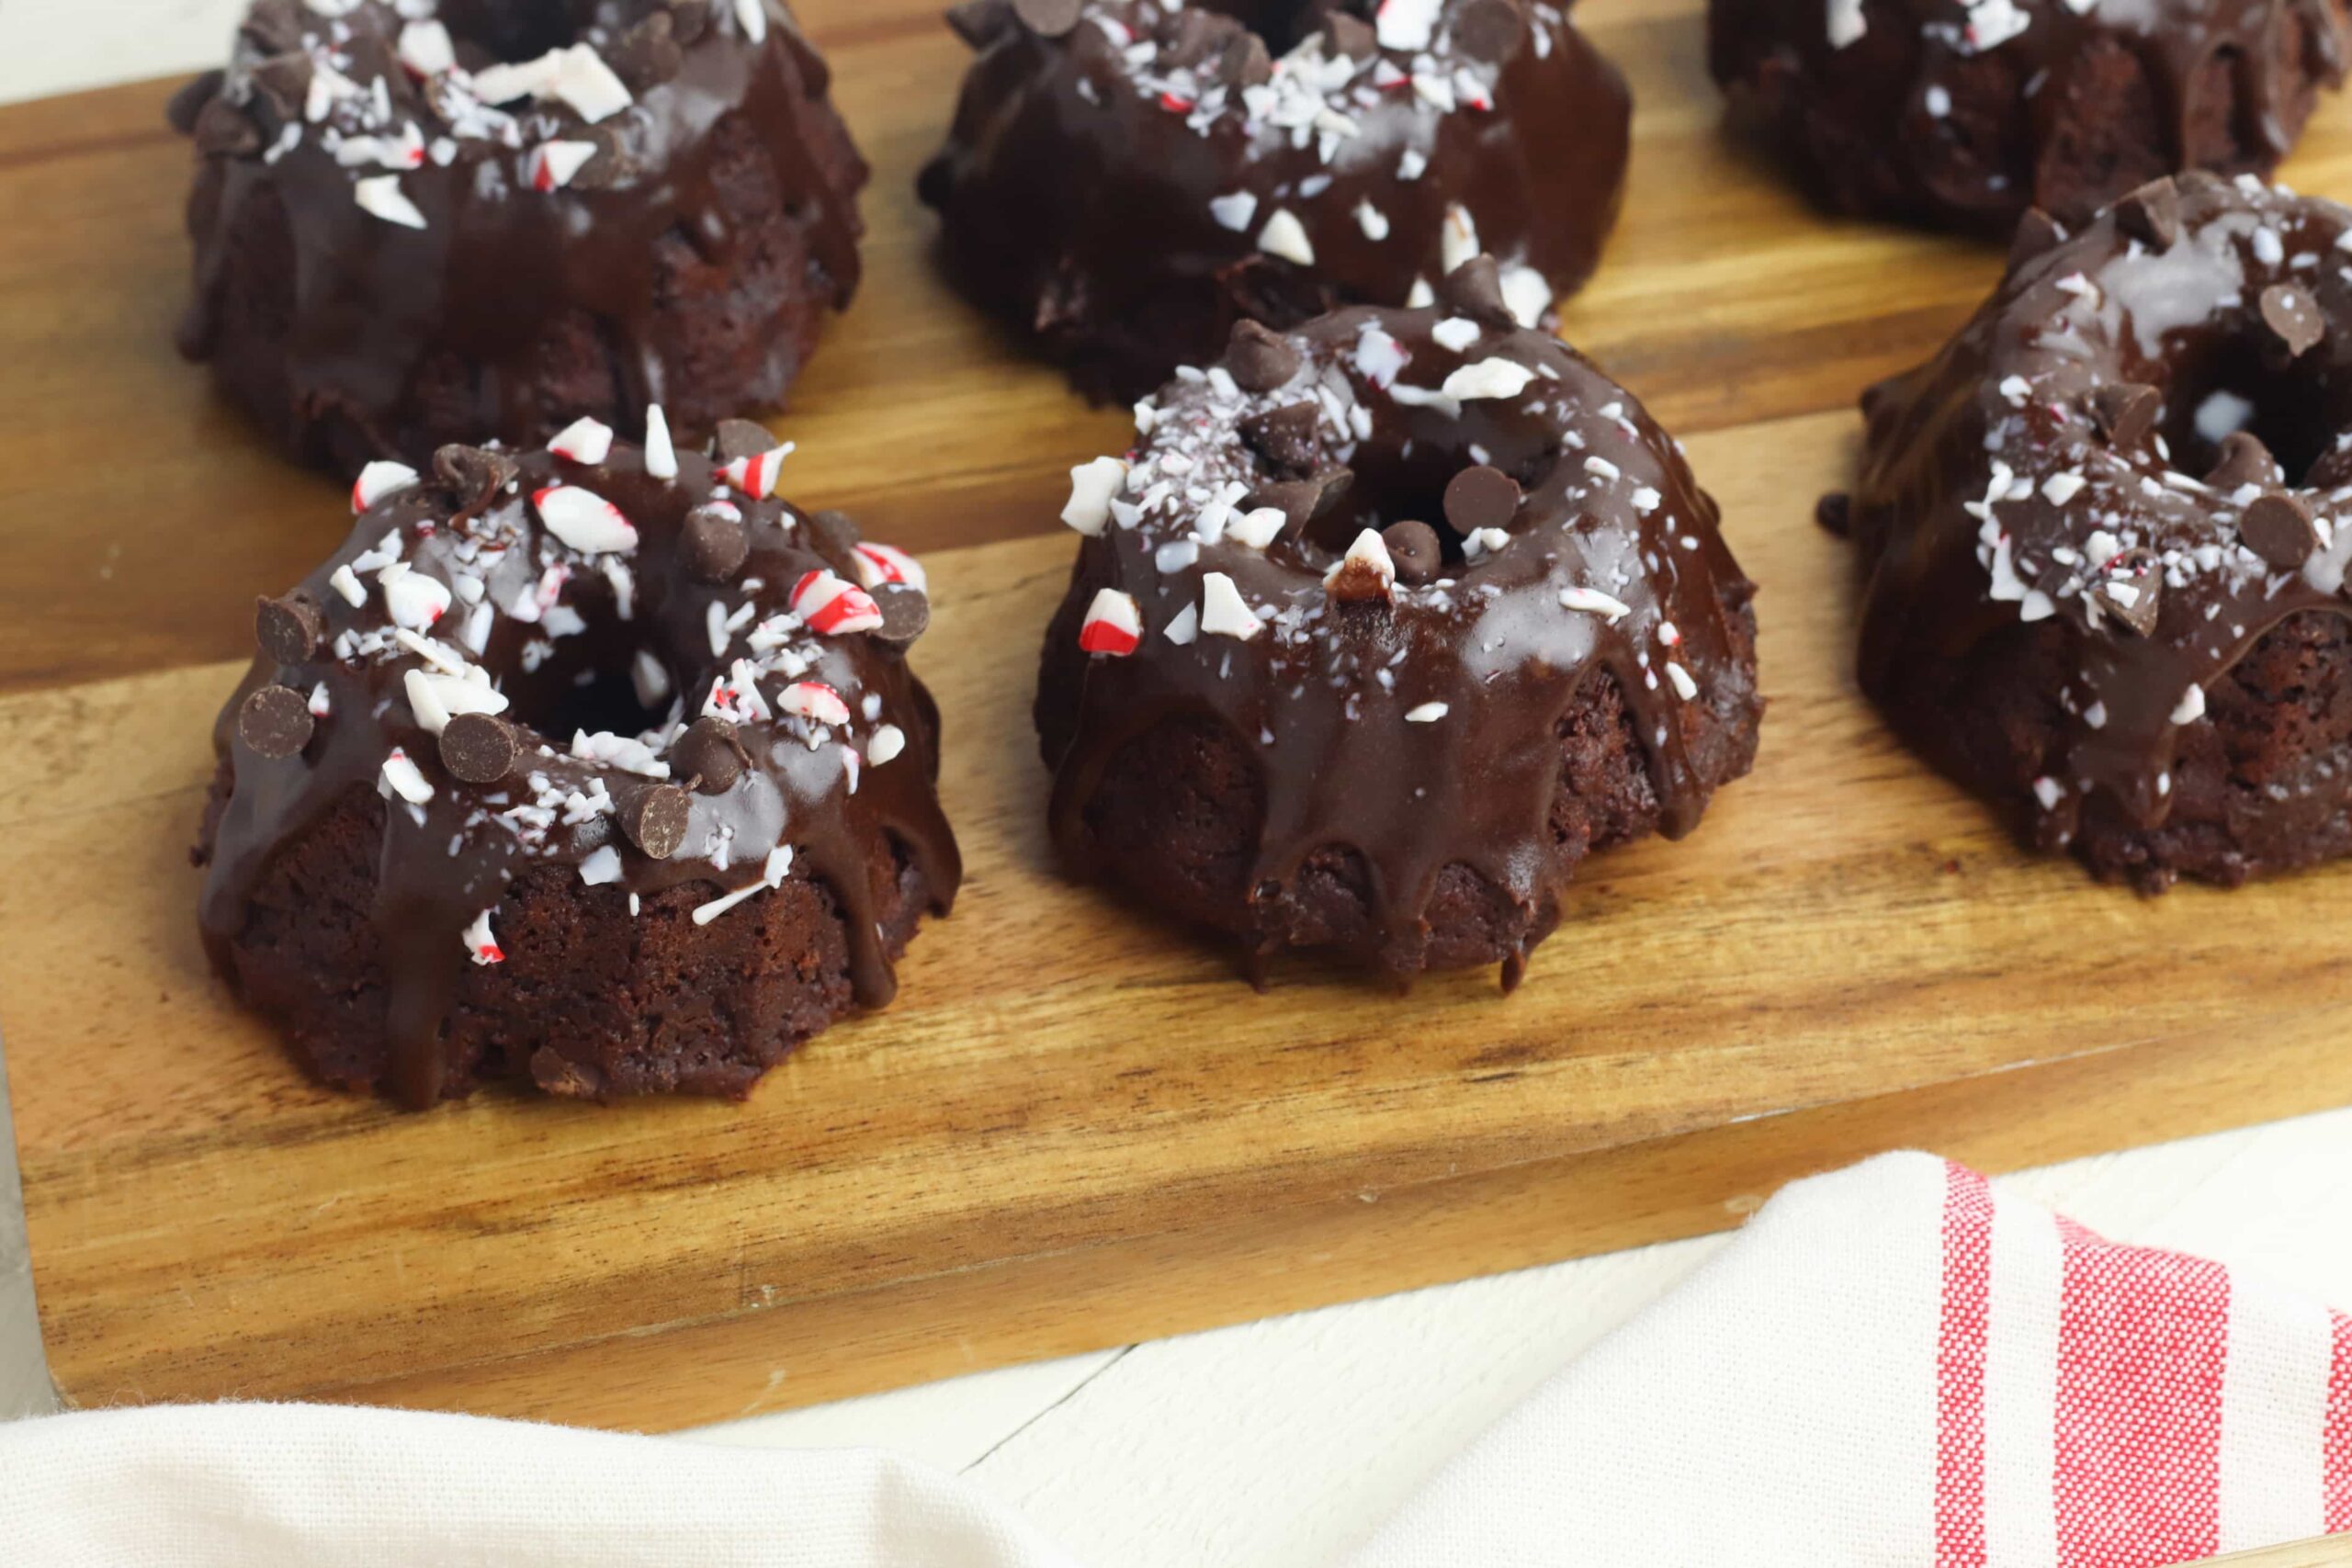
pixel 424 48
pixel 887 743
pixel 1369 549
pixel 1372 221
pixel 378 480
pixel 752 16
pixel 1527 294
pixel 481 943
pixel 1684 686
pixel 601 867
pixel 1847 23
pixel 1457 238
pixel 1491 377
pixel 1595 601
pixel 583 80
pixel 660 458
pixel 1456 333
pixel 1185 629
pixel 414 600
pixel 1091 486
pixel 2191 706
pixel 584 520
pixel 813 700
pixel 1234 211
pixel 400 777
pixel 1427 712
pixel 346 582
pixel 779 862
pixel 583 441
pixel 380 195
pixel 1258 527
pixel 1224 612
pixel 438 699
pixel 1408 24
pixel 1285 236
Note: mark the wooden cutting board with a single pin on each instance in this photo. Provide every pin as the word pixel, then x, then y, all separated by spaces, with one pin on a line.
pixel 1076 1128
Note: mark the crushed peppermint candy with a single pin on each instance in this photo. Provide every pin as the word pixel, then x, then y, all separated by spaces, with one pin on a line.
pixel 380 195
pixel 1223 611
pixel 1091 486
pixel 1114 625
pixel 481 943
pixel 584 520
pixel 833 605
pixel 377 480
pixel 587 441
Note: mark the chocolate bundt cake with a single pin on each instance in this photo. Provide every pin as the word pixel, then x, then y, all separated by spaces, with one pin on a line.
pixel 439 221
pixel 1126 179
pixel 1382 625
pixel 1964 113
pixel 2104 538
pixel 593 767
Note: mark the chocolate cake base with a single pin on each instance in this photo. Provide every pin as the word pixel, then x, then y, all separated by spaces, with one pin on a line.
pixel 2265 785
pixel 591 1001
pixel 1179 818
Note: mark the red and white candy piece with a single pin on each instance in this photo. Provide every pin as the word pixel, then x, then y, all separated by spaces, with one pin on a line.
pixel 1114 625
pixel 833 606
pixel 878 564
pixel 584 520
pixel 481 943
pixel 552 164
pixel 755 475
pixel 414 600
pixel 813 700
pixel 583 441
pixel 378 480
pixel 401 777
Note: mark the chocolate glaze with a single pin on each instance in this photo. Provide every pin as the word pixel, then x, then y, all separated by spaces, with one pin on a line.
pixel 1093 188
pixel 1420 729
pixel 2017 478
pixel 583 619
pixel 1964 112
pixel 395 338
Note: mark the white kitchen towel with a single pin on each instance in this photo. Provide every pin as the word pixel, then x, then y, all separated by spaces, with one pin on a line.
pixel 1889 1365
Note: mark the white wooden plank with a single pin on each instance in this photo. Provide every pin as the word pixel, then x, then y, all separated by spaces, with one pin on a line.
pixel 59 46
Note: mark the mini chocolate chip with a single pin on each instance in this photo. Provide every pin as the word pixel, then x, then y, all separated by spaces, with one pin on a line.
pixel 1414 547
pixel 1260 357
pixel 2151 214
pixel 1475 289
pixel 1491 30
pixel 2293 317
pixel 1285 438
pixel 289 630
pixel 2241 459
pixel 190 101
pixel 2130 588
pixel 1481 497
pixel 709 754
pixel 2279 528
pixel 648 54
pixel 833 533
pixel 1834 514
pixel 980 23
pixel 276 27
pixel 1351 36
pixel 1047 18
pixel 275 722
pixel 689 19
pixel 2125 411
pixel 1245 63
pixel 475 474
pixel 715 545
pixel 655 820
pixel 477 748
pixel 224 131
pixel 2037 235
pixel 906 615
pixel 283 82
pixel 741 439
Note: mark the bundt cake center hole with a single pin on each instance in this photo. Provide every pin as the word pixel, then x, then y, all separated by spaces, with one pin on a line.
pixel 517 31
pixel 2296 412
pixel 1285 24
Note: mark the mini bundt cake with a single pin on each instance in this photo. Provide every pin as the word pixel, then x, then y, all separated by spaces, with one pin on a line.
pixel 1965 113
pixel 594 767
pixel 439 221
pixel 1126 179
pixel 2104 539
pixel 1382 625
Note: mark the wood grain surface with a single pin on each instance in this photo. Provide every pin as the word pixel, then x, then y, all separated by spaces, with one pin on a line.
pixel 1075 1128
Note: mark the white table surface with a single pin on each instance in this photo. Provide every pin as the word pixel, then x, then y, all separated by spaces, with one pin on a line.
pixel 1274 1444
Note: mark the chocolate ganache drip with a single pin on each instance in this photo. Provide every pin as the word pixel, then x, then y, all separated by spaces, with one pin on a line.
pixel 455 220
pixel 1967 112
pixel 1434 607
pixel 1126 179
pixel 2120 479
pixel 632 665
